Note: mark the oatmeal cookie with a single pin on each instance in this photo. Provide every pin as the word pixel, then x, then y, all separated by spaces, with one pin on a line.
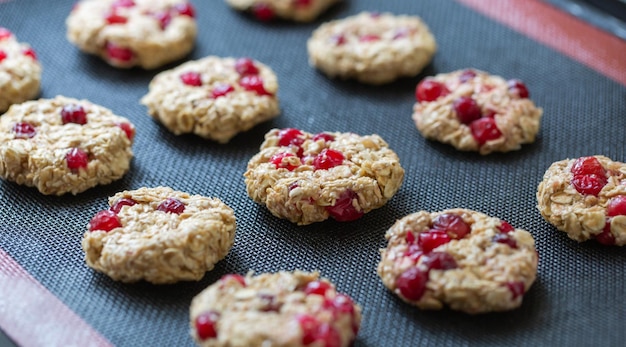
pixel 296 10
pixel 461 258
pixel 372 48
pixel 474 111
pixel 159 235
pixel 20 72
pixel 586 198
pixel 64 145
pixel 307 178
pixel 127 33
pixel 215 98
pixel 284 309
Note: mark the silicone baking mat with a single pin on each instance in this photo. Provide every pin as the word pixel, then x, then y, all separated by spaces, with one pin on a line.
pixel 48 296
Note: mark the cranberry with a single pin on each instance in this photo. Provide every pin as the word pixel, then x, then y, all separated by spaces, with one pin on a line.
pixel 253 83
pixel 123 3
pixel 171 205
pixel 467 75
pixel 221 90
pixel 76 158
pixel 73 113
pixel 338 40
pixel 317 287
pixel 234 277
pixel 414 252
pixel 5 33
pixel 587 166
pixel 401 33
pixel 206 325
pixel 617 206
pixel 328 336
pixel 118 53
pixel 412 283
pixel 104 220
pixel 485 129
pixel 301 3
pixel 309 326
pixel 324 137
pixel 269 303
pixel 191 78
pixel 430 90
pixel 590 184
pixel 518 87
pixel 505 239
pixel 410 237
pixel 185 9
pixel 290 136
pixel 128 129
pixel 2 55
pixel 117 206
pixel 263 12
pixel 432 239
pixel 278 161
pixel 505 227
pixel 29 52
pixel 452 224
pixel 517 288
pixel 439 261
pixel 245 66
pixel 327 159
pixel 24 131
pixel 343 304
pixel 115 18
pixel 606 237
pixel 369 38
pixel 344 210
pixel 164 19
pixel 467 110
pixel 490 113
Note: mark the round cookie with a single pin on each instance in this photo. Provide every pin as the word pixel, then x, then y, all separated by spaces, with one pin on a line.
pixel 20 72
pixel 215 98
pixel 475 111
pixel 64 145
pixel 586 198
pixel 308 178
pixel 372 48
pixel 159 235
pixel 127 33
pixel 460 258
pixel 283 309
pixel 296 10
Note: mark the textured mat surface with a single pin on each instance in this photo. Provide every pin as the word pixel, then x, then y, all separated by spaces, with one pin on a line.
pixel 576 300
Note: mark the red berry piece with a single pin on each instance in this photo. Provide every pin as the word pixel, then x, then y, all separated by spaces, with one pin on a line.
pixel 29 52
pixel 5 33
pixel 118 53
pixel 24 131
pixel 221 90
pixel 606 237
pixel 344 210
pixel 269 302
pixel 104 220
pixel 467 110
pixel 263 12
pixel 301 3
pixel 410 237
pixel 432 239
pixel 191 78
pixel 2 56
pixel 290 136
pixel 369 38
pixel 328 336
pixel 73 113
pixel 440 261
pixel 234 277
pixel 317 287
pixel 164 19
pixel 327 159
pixel 467 75
pixel 338 40
pixel 76 159
pixel 280 163
pixel 245 67
pixel 309 326
pixel 518 88
pixel 128 129
pixel 505 227
pixel 326 137
pixel 517 288
pixel 587 166
pixel 171 205
pixel 401 33
pixel 452 224
pixel 590 184
pixel 617 206
pixel 185 9
pixel 490 113
pixel 343 304
pixel 430 90
pixel 115 18
pixel 505 239
pixel 206 325
pixel 117 206
pixel 412 283
pixel 414 252
pixel 123 3
pixel 485 129
pixel 253 83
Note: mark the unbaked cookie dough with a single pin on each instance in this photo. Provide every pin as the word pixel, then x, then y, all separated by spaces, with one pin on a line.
pixel 20 71
pixel 127 33
pixel 586 198
pixel 475 111
pixel 159 235
pixel 283 309
pixel 296 10
pixel 373 48
pixel 64 145
pixel 308 178
pixel 464 259
pixel 215 98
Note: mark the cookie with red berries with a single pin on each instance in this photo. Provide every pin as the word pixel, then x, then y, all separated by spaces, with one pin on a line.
pixel 127 33
pixel 459 258
pixel 294 10
pixel 20 71
pixel 586 198
pixel 475 111
pixel 64 145
pixel 283 309
pixel 307 178
pixel 159 235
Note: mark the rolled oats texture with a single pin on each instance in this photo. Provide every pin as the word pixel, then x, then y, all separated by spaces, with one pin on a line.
pixel 20 74
pixel 298 11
